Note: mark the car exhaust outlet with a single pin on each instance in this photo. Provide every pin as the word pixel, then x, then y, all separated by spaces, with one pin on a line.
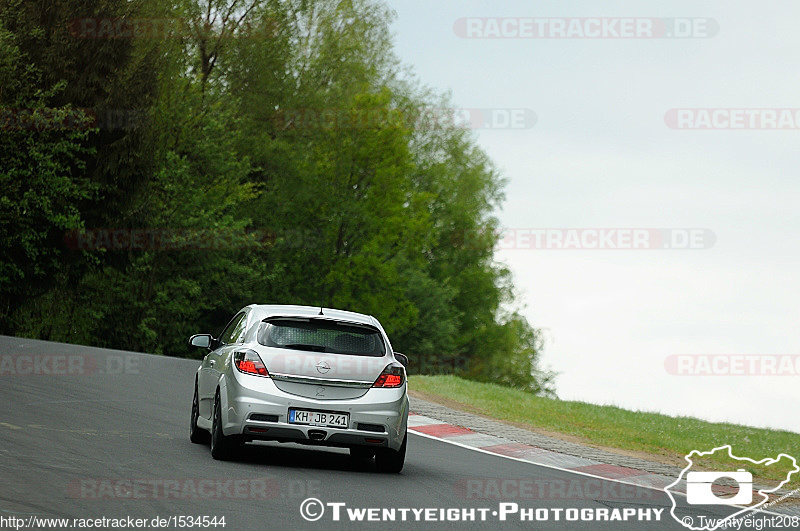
pixel 316 435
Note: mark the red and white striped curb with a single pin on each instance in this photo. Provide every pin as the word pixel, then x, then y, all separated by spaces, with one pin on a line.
pixel 466 437
pixel 539 456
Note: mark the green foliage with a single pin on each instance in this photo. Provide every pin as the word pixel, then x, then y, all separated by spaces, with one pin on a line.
pixel 666 438
pixel 290 125
pixel 42 176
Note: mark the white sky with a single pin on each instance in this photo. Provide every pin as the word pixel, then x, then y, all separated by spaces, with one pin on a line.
pixel 601 156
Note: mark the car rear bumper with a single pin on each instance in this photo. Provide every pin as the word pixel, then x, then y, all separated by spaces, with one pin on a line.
pixel 259 410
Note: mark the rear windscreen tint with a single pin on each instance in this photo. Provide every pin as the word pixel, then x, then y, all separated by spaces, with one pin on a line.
pixel 318 335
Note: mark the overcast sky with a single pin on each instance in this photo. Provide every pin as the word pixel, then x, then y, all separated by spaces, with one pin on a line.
pixel 604 154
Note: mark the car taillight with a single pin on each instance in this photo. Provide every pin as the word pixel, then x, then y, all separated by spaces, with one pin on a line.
pixel 392 376
pixel 249 362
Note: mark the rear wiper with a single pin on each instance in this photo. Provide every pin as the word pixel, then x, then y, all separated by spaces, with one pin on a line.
pixel 304 346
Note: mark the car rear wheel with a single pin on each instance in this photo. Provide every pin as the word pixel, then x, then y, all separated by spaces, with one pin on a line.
pixel 222 446
pixel 391 461
pixel 197 435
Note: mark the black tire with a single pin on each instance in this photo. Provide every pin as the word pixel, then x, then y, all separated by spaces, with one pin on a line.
pixel 197 435
pixel 223 446
pixel 362 453
pixel 391 461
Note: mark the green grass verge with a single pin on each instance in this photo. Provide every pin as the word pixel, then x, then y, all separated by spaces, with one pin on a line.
pixel 663 437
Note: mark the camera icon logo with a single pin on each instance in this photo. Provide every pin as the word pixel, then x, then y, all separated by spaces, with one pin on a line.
pixel 698 488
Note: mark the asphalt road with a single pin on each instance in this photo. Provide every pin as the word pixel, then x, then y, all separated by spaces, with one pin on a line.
pixel 92 433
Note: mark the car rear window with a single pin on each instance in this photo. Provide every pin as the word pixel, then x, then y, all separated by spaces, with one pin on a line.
pixel 319 335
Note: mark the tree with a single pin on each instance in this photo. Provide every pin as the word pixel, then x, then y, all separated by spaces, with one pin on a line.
pixel 280 154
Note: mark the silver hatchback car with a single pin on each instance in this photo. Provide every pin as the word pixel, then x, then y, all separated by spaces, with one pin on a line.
pixel 305 375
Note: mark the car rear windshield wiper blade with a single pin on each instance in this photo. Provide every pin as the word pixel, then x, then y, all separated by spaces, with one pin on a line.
pixel 304 346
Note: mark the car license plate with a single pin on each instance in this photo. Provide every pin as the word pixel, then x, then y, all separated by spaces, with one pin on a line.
pixel 318 418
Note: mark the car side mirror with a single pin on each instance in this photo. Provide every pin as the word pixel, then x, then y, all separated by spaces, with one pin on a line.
pixel 402 358
pixel 201 340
